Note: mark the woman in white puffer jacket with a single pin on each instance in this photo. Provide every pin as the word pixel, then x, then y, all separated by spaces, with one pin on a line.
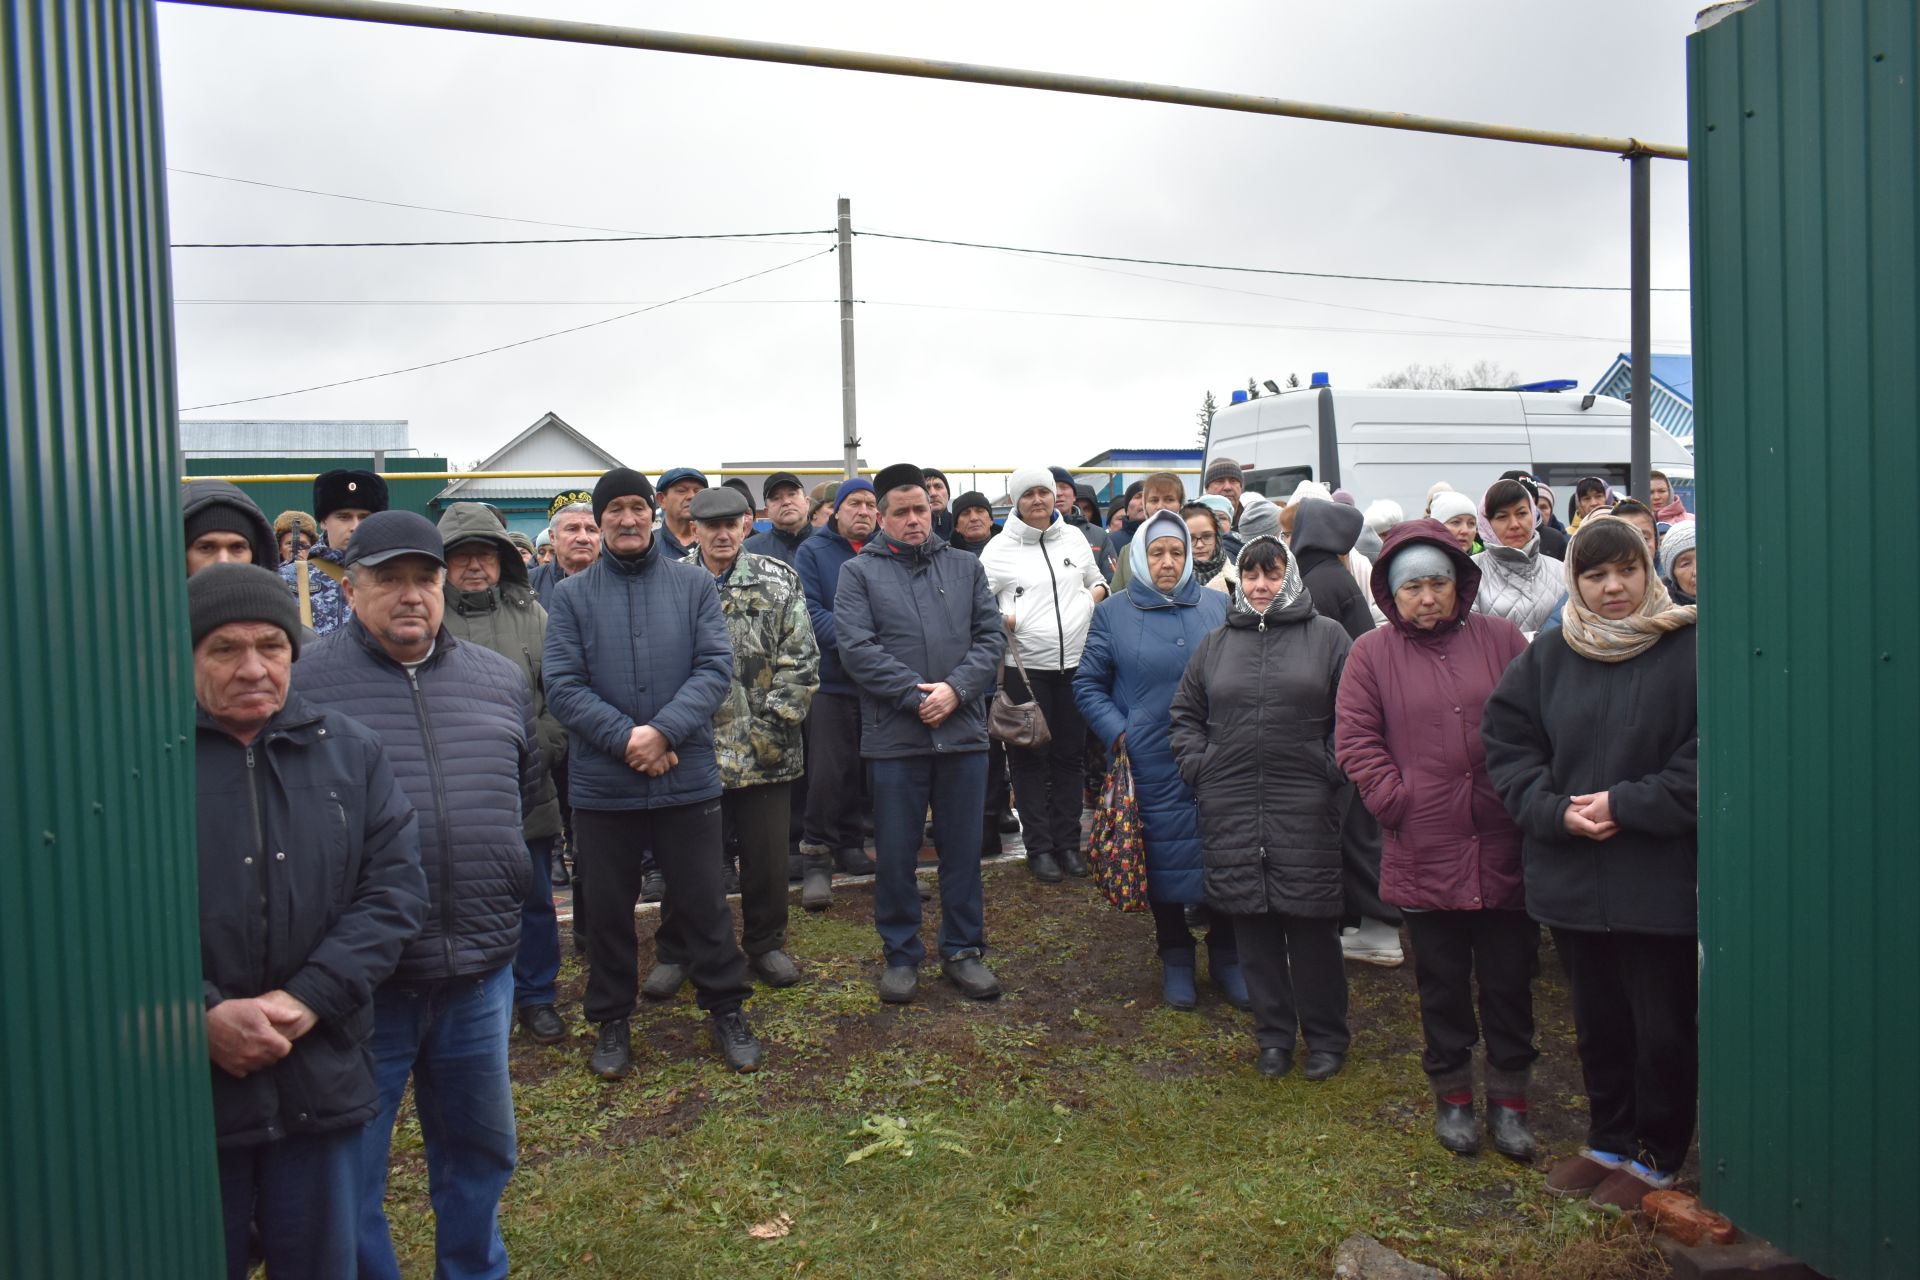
pixel 1042 573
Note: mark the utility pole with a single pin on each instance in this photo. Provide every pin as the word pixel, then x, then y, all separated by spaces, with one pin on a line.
pixel 849 428
pixel 1640 423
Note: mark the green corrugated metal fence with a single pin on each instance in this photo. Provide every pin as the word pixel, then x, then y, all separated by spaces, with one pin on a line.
pixel 105 1121
pixel 1805 166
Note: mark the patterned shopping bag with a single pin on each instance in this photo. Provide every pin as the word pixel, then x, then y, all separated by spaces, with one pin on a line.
pixel 1117 846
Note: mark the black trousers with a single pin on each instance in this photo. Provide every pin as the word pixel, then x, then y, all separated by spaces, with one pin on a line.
pixel 1172 933
pixel 573 851
pixel 1050 782
pixel 685 840
pixel 1636 1004
pixel 834 772
pixel 1499 949
pixel 756 817
pixel 1296 976
pixel 1360 860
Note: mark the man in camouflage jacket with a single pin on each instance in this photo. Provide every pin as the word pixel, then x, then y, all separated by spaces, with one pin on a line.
pixel 757 733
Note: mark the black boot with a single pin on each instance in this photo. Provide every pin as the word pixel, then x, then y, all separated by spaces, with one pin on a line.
pixel 816 890
pixel 1453 1124
pixel 1044 868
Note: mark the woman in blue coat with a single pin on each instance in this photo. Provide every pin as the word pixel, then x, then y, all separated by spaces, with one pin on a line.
pixel 1136 652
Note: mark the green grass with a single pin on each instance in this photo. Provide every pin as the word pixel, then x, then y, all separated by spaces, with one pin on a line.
pixel 1075 1128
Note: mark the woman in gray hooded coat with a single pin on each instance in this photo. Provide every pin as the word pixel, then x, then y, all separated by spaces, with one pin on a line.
pixel 1252 728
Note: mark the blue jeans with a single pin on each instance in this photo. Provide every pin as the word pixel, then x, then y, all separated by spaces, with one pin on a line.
pixel 957 787
pixel 451 1037
pixel 302 1192
pixel 537 963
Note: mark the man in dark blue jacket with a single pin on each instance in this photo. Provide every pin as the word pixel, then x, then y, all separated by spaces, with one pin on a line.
pixel 921 637
pixel 787 511
pixel 831 827
pixel 310 885
pixel 457 721
pixel 638 659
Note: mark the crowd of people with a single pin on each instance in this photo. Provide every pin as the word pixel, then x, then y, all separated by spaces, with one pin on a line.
pixel 1343 728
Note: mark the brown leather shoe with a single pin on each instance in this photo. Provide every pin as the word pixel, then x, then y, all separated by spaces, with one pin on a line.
pixel 1579 1175
pixel 1622 1190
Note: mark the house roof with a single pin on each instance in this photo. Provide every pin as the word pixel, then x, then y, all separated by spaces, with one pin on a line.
pixel 549 442
pixel 1672 371
pixel 294 437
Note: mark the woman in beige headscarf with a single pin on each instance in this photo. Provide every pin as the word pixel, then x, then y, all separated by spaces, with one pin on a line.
pixel 1593 744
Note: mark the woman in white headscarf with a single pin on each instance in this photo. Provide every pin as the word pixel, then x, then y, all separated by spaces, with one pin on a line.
pixel 1252 729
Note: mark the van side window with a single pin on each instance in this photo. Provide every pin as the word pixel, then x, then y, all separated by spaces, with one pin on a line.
pixel 1277 482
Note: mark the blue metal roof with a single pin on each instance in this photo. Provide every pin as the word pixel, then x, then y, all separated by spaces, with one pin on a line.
pixel 1674 372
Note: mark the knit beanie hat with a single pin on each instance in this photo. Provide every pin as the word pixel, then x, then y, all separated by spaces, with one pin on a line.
pixel 1677 541
pixel 1383 514
pixel 1447 504
pixel 1029 478
pixel 1220 505
pixel 1310 489
pixel 221 517
pixel 1258 516
pixel 1344 498
pixel 969 500
pixel 1223 469
pixel 1418 560
pixel 621 482
pixel 1063 476
pixel 859 484
pixel 228 592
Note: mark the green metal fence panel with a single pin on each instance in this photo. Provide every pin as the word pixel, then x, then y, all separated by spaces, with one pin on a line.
pixel 106 1127
pixel 1805 194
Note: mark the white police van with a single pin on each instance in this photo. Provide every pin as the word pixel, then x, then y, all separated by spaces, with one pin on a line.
pixel 1378 443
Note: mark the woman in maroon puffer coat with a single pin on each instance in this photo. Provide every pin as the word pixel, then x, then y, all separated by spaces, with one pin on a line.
pixel 1408 735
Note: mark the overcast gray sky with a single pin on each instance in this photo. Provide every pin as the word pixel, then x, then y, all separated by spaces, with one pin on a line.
pixel 966 357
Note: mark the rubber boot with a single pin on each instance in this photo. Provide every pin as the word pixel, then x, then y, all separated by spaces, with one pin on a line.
pixel 1176 979
pixel 816 879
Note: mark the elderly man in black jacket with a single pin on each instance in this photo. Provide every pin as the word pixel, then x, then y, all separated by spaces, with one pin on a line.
pixel 457 720
pixel 920 636
pixel 310 885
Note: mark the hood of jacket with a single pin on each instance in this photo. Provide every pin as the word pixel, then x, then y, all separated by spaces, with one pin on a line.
pixel 1328 528
pixel 1025 534
pixel 883 546
pixel 1293 604
pixel 466 521
pixel 1466 574
pixel 198 495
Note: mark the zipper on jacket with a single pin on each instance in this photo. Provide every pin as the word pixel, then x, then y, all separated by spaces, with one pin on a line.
pixel 1059 622
pixel 446 817
pixel 265 916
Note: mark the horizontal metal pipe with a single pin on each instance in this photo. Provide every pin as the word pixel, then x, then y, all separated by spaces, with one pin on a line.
pixel 837 473
pixel 505 24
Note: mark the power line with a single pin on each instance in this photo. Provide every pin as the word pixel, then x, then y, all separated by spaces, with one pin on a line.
pixel 507 346
pixel 1256 324
pixel 1267 271
pixel 400 204
pixel 483 302
pixel 430 244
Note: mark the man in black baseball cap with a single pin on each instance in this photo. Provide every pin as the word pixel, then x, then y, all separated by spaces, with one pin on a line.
pixel 786 503
pixel 457 722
